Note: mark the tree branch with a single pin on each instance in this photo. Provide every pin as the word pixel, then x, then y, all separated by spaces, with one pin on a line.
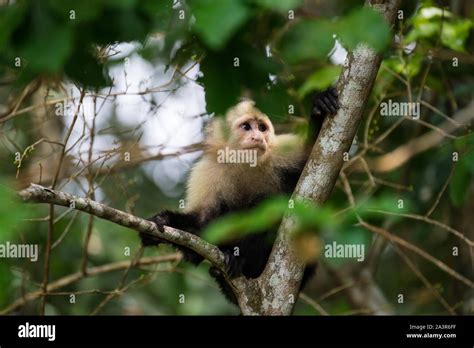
pixel 39 194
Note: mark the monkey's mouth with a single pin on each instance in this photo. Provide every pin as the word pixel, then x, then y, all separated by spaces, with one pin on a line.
pixel 260 147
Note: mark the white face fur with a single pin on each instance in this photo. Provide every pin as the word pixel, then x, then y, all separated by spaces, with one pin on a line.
pixel 251 133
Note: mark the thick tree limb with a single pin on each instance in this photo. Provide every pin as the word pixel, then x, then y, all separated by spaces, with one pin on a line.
pixel 278 286
pixel 39 194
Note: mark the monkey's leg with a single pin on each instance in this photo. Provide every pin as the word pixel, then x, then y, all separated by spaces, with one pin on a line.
pixel 223 285
pixel 309 272
pixel 249 255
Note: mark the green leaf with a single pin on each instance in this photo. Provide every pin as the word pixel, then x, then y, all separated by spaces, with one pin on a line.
pixel 463 142
pixel 48 49
pixel 267 216
pixel 41 41
pixel 430 22
pixel 465 147
pixel 225 75
pixel 7 283
pixel 385 202
pixel 467 160
pixel 122 4
pixel 307 40
pixel 222 82
pixel 410 67
pixel 355 238
pixel 455 34
pixel 314 218
pixel 237 225
pixel 273 102
pixel 216 21
pixel 280 5
pixel 10 18
pixel 12 211
pixel 376 31
pixel 84 10
pixel 320 80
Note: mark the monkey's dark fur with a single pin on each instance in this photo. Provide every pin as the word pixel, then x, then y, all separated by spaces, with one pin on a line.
pixel 254 249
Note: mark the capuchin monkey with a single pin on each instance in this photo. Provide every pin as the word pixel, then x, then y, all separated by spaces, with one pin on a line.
pixel 215 188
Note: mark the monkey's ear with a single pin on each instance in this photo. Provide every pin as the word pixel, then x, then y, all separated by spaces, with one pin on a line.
pixel 217 131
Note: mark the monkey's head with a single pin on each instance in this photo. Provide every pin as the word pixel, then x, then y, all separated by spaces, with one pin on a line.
pixel 247 128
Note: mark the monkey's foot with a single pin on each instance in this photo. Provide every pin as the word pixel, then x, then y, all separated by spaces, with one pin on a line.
pixel 233 264
pixel 326 102
pixel 148 239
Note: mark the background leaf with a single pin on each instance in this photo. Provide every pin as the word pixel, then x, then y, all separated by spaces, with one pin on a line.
pixel 216 21
pixel 376 31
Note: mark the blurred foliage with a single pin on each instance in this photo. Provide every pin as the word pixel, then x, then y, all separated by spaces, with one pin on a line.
pixel 12 214
pixel 320 80
pixel 314 39
pixel 427 25
pixel 55 37
pixel 243 48
pixel 11 211
pixel 217 21
pixel 326 222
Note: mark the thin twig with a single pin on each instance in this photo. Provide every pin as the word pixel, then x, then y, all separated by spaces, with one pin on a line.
pixel 425 281
pixel 428 221
pixel 91 272
pixel 313 303
pixel 407 245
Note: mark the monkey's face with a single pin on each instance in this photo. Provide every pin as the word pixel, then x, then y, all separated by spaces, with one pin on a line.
pixel 252 133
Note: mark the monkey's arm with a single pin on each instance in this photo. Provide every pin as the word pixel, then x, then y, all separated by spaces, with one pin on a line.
pixel 323 104
pixel 188 222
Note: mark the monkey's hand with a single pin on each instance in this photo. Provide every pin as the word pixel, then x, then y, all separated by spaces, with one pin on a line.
pixel 160 220
pixel 325 103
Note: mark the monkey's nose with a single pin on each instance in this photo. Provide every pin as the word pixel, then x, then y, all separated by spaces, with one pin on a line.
pixel 256 138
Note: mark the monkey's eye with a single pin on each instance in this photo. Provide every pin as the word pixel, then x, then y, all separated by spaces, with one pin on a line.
pixel 245 126
pixel 262 127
